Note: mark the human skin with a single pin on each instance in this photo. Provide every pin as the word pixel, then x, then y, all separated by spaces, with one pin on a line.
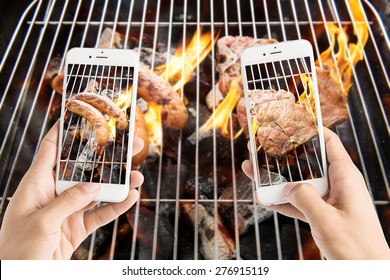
pixel 344 223
pixel 38 224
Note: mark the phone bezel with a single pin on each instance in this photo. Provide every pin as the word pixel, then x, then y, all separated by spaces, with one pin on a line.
pixel 106 57
pixel 269 195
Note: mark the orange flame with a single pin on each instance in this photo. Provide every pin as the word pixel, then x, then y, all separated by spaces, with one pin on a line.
pixel 307 97
pixel 178 74
pixel 221 114
pixel 340 64
pixel 153 122
pixel 199 47
pixel 111 129
pixel 124 100
pixel 343 62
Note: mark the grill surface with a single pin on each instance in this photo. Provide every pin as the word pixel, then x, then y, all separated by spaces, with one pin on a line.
pixel 47 29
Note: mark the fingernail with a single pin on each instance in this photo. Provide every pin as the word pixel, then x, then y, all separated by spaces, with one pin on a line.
pixel 90 187
pixel 287 189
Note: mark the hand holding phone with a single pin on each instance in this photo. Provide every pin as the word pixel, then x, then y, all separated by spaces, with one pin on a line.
pixel 97 121
pixel 284 118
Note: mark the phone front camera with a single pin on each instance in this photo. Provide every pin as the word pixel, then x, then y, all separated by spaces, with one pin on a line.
pixel 264 54
pixel 90 56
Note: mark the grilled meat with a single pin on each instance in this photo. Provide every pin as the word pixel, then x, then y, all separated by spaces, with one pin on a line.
pixel 94 116
pixel 333 101
pixel 153 88
pixel 282 124
pixel 104 104
pixel 141 130
pixel 229 50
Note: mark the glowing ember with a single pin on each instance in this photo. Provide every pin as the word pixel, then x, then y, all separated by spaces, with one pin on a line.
pixel 221 115
pixel 153 122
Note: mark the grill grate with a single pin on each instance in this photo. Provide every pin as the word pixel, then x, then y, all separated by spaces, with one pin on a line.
pixel 103 164
pixel 288 75
pixel 48 29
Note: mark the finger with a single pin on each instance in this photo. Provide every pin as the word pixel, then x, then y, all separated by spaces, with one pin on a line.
pixel 136 179
pixel 247 168
pixel 138 145
pixel 288 210
pixel 306 199
pixel 105 214
pixel 285 209
pixel 70 201
pixel 334 148
pixel 47 153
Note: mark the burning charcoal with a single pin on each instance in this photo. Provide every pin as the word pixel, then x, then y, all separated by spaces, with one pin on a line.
pixel 145 233
pixel 245 212
pixel 87 156
pixel 68 148
pixel 107 174
pixel 206 148
pixel 206 230
pixel 105 39
pixel 120 153
pixel 85 129
pixel 92 86
pixel 123 239
pixel 147 54
pixel 71 173
pixel 205 139
pixel 111 94
pixel 268 249
pixel 205 185
pixel 168 180
pixel 185 242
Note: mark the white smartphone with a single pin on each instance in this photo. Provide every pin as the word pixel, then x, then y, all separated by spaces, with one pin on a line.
pixel 284 118
pixel 97 120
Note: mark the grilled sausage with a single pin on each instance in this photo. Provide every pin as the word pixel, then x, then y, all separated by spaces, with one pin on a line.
pixel 100 128
pixel 141 130
pixel 152 87
pixel 105 105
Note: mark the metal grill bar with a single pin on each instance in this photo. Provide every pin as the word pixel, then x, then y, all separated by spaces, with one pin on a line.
pixel 279 19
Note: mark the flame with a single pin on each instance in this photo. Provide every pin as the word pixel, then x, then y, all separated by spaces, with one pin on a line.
pixel 307 97
pixel 178 74
pixel 343 62
pixel 124 100
pixel 153 122
pixel 111 129
pixel 340 64
pixel 199 47
pixel 221 114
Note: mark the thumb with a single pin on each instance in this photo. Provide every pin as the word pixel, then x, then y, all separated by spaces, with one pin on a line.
pixel 307 200
pixel 70 201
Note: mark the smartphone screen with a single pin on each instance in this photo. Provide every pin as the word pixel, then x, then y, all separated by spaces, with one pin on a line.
pixel 284 116
pixel 97 121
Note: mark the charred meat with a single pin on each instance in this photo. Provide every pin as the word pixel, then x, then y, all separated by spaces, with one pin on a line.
pixel 229 50
pixel 333 101
pixel 281 124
